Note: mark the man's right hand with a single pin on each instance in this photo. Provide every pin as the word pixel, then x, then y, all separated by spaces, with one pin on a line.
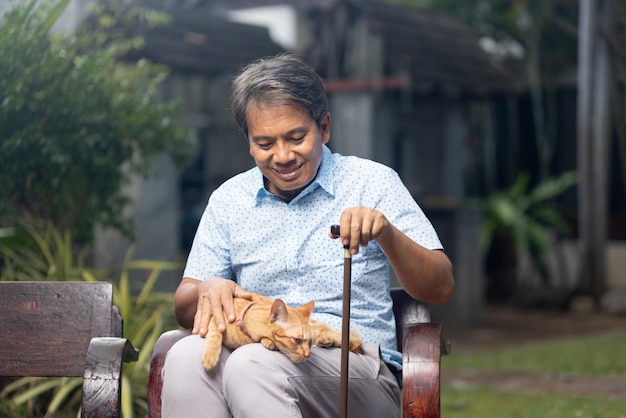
pixel 211 298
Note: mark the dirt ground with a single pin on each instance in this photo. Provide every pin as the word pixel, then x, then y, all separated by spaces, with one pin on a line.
pixel 502 327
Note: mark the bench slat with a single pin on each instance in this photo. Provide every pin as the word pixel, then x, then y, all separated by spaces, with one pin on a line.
pixel 34 318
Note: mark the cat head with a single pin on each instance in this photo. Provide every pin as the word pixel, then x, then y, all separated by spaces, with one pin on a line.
pixel 291 331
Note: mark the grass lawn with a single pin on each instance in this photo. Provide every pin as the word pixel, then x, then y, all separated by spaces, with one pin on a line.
pixel 589 356
pixel 489 403
pixel 585 356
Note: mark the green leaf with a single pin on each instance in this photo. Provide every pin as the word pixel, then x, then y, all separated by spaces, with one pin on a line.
pixel 57 9
pixel 127 397
pixel 66 387
pixel 526 217
pixel 39 388
pixel 17 384
pixel 552 188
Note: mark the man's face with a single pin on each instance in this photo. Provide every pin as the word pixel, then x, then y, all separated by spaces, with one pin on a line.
pixel 286 145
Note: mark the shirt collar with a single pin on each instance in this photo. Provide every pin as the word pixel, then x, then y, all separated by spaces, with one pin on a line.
pixel 323 179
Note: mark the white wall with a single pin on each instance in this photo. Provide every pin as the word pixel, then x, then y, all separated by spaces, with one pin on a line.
pixel 281 21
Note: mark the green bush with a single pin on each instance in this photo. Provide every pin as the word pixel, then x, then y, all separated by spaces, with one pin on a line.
pixel 520 220
pixel 526 217
pixel 76 122
pixel 36 250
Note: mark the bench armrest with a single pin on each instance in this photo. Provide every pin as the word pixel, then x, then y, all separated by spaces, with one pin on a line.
pixel 103 375
pixel 421 367
pixel 155 381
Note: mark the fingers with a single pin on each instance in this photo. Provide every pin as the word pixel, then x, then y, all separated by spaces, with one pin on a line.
pixel 219 309
pixel 202 316
pixel 241 293
pixel 360 225
pixel 215 301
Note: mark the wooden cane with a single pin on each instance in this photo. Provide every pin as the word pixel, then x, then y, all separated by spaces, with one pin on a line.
pixel 345 325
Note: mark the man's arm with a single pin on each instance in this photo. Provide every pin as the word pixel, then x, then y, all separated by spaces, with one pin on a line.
pixel 425 274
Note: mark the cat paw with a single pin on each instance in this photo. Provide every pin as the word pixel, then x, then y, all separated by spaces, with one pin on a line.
pixel 267 343
pixel 325 342
pixel 209 360
pixel 355 342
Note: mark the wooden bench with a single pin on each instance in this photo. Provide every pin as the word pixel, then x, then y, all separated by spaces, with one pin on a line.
pixel 67 329
pixel 420 341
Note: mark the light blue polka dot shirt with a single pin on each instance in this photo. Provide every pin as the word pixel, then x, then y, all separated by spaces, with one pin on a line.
pixel 282 249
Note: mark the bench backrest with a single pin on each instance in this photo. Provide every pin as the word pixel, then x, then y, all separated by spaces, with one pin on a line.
pixel 45 327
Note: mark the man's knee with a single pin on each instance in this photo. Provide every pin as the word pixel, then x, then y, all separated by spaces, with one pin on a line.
pixel 184 358
pixel 185 349
pixel 248 360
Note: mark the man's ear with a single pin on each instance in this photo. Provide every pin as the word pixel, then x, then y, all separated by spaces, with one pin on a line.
pixel 325 127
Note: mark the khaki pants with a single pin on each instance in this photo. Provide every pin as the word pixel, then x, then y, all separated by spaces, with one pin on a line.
pixel 253 381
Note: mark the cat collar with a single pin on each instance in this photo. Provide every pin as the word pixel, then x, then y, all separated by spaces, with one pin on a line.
pixel 239 322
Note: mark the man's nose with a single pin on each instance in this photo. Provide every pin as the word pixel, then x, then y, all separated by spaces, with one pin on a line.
pixel 283 153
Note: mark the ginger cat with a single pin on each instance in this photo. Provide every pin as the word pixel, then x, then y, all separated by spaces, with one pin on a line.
pixel 275 325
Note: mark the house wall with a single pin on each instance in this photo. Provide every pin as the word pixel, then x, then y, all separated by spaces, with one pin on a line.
pixel 434 163
pixel 352 120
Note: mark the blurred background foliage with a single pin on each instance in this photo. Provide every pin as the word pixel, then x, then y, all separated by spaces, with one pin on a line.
pixel 521 219
pixel 76 121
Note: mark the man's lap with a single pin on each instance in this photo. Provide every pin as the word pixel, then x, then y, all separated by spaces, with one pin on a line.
pixel 252 374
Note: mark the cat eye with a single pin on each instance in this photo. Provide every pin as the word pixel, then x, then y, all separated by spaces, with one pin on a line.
pixel 297 341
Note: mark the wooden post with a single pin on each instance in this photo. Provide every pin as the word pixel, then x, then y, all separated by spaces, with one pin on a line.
pixel 594 81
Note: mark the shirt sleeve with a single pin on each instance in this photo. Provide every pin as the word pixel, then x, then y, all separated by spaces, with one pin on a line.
pixel 401 209
pixel 210 252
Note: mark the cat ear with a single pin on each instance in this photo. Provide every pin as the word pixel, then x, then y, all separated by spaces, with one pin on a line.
pixel 278 312
pixel 307 308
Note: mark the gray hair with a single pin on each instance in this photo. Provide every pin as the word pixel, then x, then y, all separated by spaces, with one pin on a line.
pixel 279 80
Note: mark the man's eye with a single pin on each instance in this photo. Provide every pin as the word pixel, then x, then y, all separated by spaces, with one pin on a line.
pixel 297 138
pixel 264 146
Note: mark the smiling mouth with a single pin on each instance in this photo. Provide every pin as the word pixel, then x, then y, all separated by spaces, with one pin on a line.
pixel 288 172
